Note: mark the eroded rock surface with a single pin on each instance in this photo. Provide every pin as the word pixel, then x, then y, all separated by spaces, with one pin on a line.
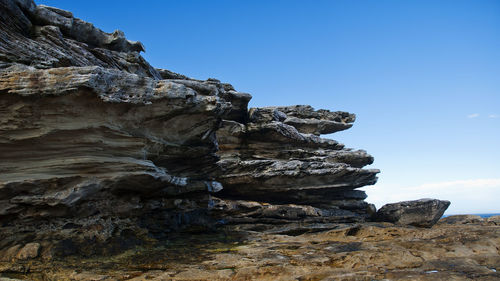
pixel 47 37
pixel 101 152
pixel 367 251
pixel 111 169
pixel 302 176
pixel 98 152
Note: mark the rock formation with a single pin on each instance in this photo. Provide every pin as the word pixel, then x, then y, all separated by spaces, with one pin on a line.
pixel 273 155
pixel 99 148
pixel 100 153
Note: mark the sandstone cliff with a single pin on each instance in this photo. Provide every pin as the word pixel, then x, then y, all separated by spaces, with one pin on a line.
pixel 99 151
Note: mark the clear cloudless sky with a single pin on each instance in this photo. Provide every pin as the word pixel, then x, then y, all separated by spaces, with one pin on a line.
pixel 423 77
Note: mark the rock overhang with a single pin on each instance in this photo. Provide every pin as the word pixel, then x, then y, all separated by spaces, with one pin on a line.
pixel 87 125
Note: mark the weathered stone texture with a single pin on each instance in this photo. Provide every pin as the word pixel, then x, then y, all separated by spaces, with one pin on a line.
pixel 423 212
pixel 267 160
pixel 99 151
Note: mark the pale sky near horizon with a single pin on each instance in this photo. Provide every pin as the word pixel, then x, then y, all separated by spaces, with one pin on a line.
pixel 423 77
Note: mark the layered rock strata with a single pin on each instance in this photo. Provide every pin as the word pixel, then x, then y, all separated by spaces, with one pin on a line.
pixel 99 151
pixel 94 143
pixel 47 37
pixel 277 158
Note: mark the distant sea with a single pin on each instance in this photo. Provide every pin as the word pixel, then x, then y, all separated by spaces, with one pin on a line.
pixel 481 215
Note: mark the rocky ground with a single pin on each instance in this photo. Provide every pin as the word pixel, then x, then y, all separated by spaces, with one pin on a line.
pixel 457 248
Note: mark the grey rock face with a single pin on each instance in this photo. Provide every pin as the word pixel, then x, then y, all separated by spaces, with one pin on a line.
pixel 47 37
pixel 422 213
pixel 267 160
pixel 99 151
pixel 89 129
pixel 310 121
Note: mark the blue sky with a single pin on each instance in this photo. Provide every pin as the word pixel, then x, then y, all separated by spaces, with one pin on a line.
pixel 423 77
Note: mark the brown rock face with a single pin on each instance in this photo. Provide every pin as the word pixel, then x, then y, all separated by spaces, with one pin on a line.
pixel 29 251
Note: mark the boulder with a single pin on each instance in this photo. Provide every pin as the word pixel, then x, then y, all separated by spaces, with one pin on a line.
pixel 421 213
pixel 29 251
